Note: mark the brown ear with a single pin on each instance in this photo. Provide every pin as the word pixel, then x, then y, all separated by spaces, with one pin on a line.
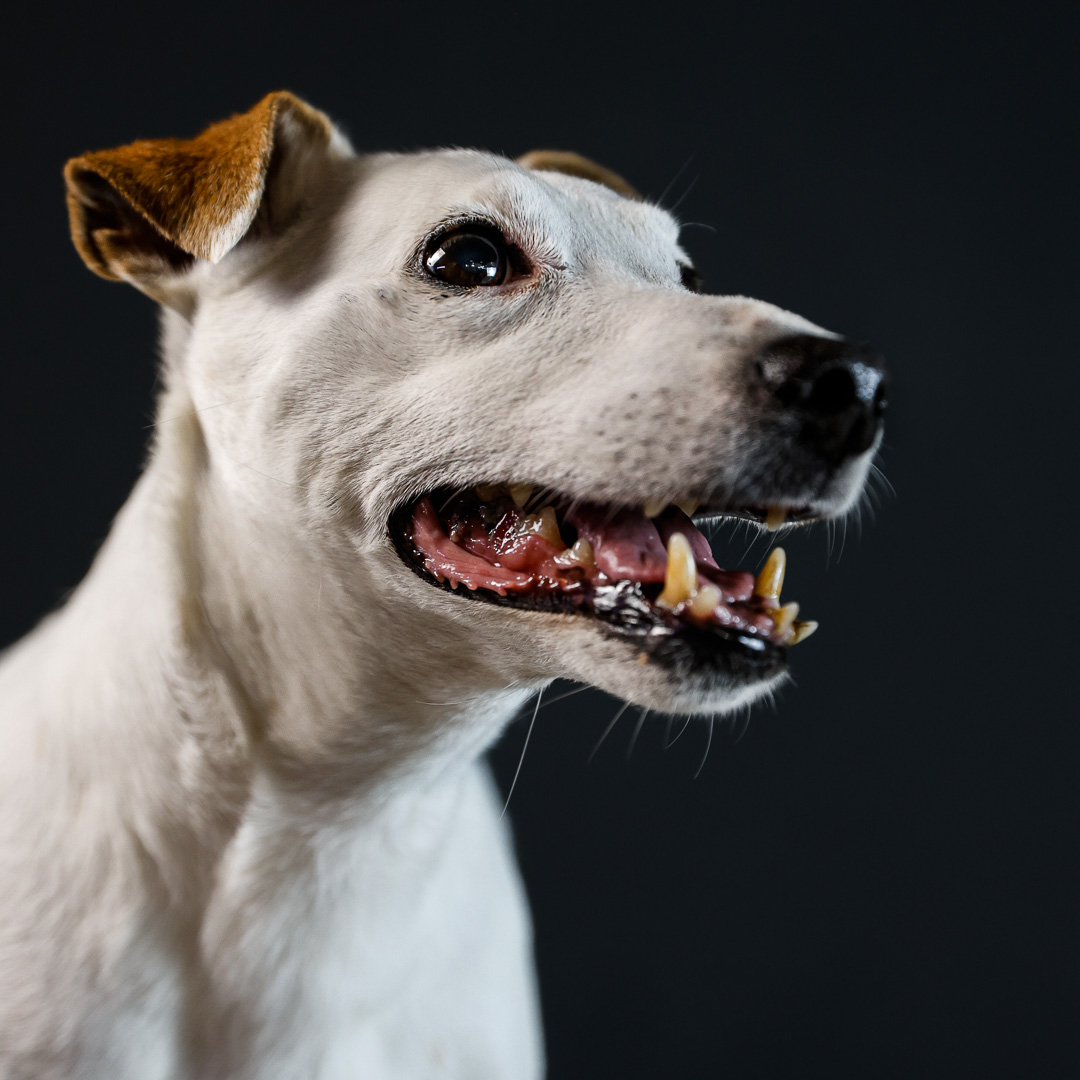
pixel 142 211
pixel 565 161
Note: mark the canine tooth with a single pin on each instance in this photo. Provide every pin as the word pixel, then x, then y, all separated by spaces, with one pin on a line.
pixel 688 507
pixel 521 493
pixel 800 631
pixel 703 602
pixel 680 578
pixel 775 517
pixel 771 579
pixel 489 491
pixel 544 524
pixel 654 508
pixel 784 618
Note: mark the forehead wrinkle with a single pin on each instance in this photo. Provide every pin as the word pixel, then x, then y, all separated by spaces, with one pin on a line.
pixel 579 221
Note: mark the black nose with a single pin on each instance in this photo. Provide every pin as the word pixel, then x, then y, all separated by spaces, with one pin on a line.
pixel 839 389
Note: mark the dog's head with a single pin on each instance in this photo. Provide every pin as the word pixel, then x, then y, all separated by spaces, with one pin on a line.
pixel 487 392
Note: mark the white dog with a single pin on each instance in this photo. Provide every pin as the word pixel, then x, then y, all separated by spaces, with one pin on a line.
pixel 429 428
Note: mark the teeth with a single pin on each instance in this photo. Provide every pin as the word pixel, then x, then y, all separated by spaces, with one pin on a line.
pixel 800 631
pixel 521 493
pixel 654 508
pixel 489 491
pixel 581 554
pixel 775 517
pixel 771 579
pixel 784 618
pixel 680 579
pixel 703 603
pixel 544 524
pixel 688 507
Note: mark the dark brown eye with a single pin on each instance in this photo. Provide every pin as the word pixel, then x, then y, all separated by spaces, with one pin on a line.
pixel 691 279
pixel 468 256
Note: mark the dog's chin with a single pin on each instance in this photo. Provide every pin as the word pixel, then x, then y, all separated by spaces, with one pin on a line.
pixel 675 676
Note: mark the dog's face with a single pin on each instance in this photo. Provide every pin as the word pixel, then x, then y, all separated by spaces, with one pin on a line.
pixel 488 393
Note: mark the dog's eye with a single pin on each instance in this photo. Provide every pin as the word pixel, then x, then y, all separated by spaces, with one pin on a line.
pixel 469 256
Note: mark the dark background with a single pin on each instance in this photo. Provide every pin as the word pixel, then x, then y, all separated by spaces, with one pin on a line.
pixel 877 877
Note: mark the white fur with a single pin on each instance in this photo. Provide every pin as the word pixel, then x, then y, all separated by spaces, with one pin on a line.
pixel 245 831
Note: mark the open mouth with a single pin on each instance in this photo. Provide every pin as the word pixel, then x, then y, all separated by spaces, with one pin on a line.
pixel 645 573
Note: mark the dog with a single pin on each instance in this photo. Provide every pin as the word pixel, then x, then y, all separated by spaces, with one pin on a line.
pixel 433 431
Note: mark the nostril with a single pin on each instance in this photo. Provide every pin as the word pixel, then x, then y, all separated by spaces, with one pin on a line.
pixel 837 390
pixel 832 391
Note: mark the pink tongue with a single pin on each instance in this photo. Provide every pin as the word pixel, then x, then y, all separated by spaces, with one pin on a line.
pixel 627 544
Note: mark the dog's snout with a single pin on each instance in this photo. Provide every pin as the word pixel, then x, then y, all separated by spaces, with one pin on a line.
pixel 838 388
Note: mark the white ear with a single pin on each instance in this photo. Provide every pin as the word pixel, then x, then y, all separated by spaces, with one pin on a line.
pixel 142 212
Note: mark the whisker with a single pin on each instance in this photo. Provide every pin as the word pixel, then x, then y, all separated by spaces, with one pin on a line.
pixel 682 168
pixel 884 479
pixel 745 725
pixel 563 696
pixel 607 731
pixel 521 760
pixel 637 731
pixel 708 744
pixel 199 412
pixel 686 724
pixel 679 201
pixel 453 496
pixel 258 472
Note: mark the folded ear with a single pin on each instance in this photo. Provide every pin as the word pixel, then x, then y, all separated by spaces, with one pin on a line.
pixel 140 213
pixel 565 161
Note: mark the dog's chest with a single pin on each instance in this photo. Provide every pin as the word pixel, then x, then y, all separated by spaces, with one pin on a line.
pixel 374 942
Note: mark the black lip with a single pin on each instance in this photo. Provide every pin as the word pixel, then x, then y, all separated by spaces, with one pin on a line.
pixel 623 611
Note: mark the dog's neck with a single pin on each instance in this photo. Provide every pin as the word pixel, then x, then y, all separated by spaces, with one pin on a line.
pixel 236 628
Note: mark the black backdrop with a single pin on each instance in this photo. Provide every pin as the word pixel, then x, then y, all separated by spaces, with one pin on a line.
pixel 878 876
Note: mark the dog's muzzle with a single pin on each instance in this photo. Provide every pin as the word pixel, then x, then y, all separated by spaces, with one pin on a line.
pixel 645 571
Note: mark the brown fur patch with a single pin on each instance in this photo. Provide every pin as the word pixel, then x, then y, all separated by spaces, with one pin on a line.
pixel 143 208
pixel 566 161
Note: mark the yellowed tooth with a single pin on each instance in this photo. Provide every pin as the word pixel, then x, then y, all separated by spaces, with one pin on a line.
pixel 580 554
pixel 784 618
pixel 654 508
pixel 680 578
pixel 703 602
pixel 490 491
pixel 771 579
pixel 800 631
pixel 521 493
pixel 688 507
pixel 544 524
pixel 775 516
